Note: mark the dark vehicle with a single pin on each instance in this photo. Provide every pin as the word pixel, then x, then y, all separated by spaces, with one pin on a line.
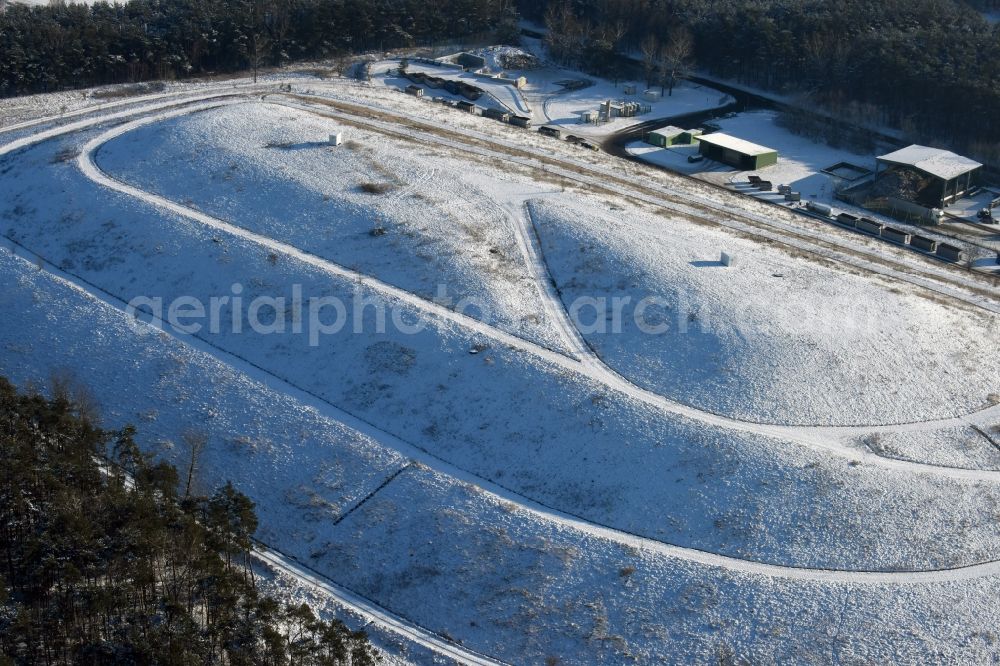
pixel 819 209
pixel 870 226
pixel 895 235
pixel 847 219
pixel 949 252
pixel 923 243
pixel 496 114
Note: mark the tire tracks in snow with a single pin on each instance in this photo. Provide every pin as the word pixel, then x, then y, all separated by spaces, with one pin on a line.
pixel 539 510
pixel 431 461
pixel 818 437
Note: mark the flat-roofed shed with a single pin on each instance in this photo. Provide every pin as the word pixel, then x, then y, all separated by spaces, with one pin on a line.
pixel 735 152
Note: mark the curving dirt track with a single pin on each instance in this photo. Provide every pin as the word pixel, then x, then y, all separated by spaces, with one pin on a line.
pixel 581 359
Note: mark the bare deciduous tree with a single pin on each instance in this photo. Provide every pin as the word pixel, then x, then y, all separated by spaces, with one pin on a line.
pixel 195 441
pixel 565 32
pixel 65 387
pixel 650 49
pixel 341 63
pixel 675 58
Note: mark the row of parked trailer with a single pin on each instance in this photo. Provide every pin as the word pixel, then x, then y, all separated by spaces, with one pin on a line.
pixel 521 121
pixel 474 109
pixel 462 88
pixel 866 225
pixel 495 114
pixel 556 133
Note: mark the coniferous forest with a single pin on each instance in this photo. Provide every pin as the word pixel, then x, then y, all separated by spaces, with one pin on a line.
pixel 105 560
pixel 46 48
pixel 929 67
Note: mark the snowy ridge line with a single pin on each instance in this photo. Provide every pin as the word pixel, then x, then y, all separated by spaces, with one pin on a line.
pixel 502 493
pixel 177 95
pixel 69 128
pixel 368 609
pixel 112 105
pixel 846 251
pixel 815 436
pixel 611 377
pixel 389 479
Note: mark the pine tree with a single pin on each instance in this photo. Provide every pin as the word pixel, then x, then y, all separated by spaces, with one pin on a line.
pixel 104 562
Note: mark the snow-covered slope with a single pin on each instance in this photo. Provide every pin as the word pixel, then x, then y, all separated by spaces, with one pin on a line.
pixel 269 169
pixel 496 489
pixel 462 561
pixel 557 436
pixel 774 337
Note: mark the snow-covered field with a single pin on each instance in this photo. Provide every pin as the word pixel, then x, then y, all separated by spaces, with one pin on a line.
pixel 505 416
pixel 466 563
pixel 564 108
pixel 971 447
pixel 773 337
pixel 517 480
pixel 800 159
pixel 269 169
